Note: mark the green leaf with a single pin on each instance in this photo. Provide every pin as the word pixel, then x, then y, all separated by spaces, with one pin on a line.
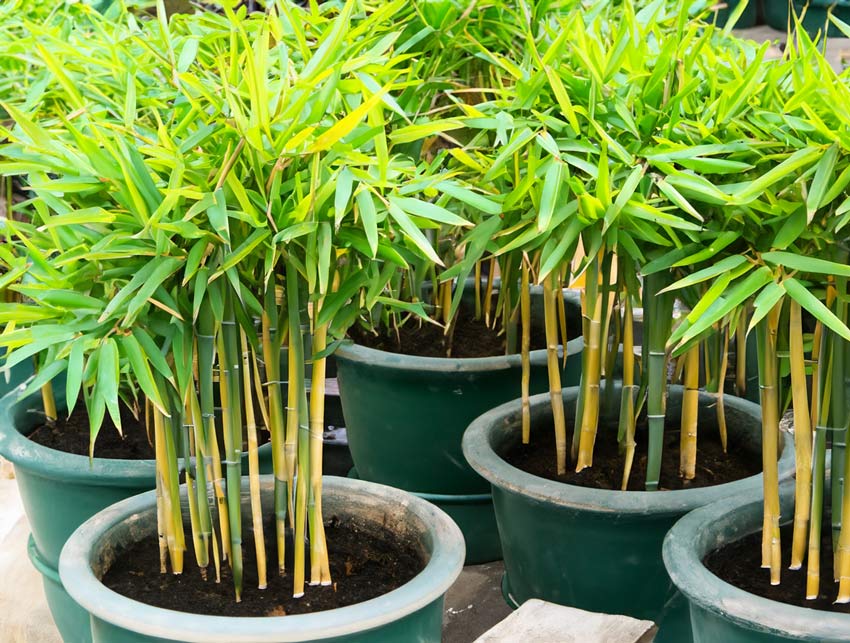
pixel 368 217
pixel 820 184
pixel 429 211
pixel 806 264
pixel 469 197
pixel 549 194
pixel 108 378
pixel 344 184
pixel 807 300
pixel 414 233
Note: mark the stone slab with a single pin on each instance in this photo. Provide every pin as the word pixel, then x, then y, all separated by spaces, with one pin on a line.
pixel 537 621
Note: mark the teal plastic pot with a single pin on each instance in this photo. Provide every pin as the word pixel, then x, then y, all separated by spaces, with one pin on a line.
pixel 60 491
pixel 722 613
pixel 776 14
pixel 405 416
pixel 412 612
pixel 598 550
pixel 474 515
pixel 71 620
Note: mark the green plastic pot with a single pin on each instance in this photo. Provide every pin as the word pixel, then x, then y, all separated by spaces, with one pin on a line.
pixel 474 515
pixel 776 14
pixel 722 613
pixel 412 612
pixel 60 491
pixel 598 550
pixel 405 417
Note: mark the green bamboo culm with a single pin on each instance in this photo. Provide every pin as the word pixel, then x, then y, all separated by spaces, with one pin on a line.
pixel 658 315
pixel 231 399
pixel 838 423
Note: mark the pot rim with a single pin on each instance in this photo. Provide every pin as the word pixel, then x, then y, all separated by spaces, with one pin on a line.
pixel 59 465
pixel 487 463
pixel 705 530
pixel 443 567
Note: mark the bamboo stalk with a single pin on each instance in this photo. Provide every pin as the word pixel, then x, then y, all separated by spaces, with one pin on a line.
pixel 199 448
pixel 320 571
pixel 48 401
pixel 721 380
pixel 231 413
pixel 557 401
pixel 690 415
pixel 627 403
pixel 591 374
pixel 741 356
pixel 253 465
pixel 477 290
pixel 525 306
pixel 488 293
pixel 271 356
pixel 562 316
pixel 819 469
pixel 838 424
pixel 768 381
pixel 802 437
pixel 658 311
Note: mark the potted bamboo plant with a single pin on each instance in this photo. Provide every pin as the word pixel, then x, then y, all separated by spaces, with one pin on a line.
pixel 632 161
pixel 246 204
pixel 409 387
pixel 796 286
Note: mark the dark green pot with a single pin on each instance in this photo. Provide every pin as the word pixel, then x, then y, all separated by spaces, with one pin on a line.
pixel 776 14
pixel 405 416
pixel 60 491
pixel 594 549
pixel 475 517
pixel 722 613
pixel 412 612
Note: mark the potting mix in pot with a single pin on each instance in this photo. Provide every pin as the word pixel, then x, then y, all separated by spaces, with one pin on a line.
pixel 432 178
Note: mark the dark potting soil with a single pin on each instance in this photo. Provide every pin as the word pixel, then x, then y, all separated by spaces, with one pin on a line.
pixel 472 338
pixel 364 564
pixel 739 564
pixel 71 435
pixel 713 467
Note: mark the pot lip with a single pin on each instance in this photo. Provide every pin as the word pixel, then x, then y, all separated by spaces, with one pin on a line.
pixel 430 584
pixel 58 465
pixel 375 358
pixel 682 553
pixel 487 463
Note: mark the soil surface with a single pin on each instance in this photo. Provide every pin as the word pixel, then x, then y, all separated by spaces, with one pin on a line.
pixel 364 565
pixel 471 338
pixel 713 467
pixel 739 564
pixel 71 435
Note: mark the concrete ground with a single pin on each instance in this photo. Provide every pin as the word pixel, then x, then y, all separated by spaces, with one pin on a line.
pixel 837 49
pixel 474 603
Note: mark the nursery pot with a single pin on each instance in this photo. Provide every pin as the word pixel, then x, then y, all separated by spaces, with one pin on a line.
pixel 60 491
pixel 722 613
pixel 405 416
pixel 595 549
pixel 412 612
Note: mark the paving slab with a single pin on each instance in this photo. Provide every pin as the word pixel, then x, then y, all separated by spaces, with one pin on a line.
pixel 474 603
pixel 538 621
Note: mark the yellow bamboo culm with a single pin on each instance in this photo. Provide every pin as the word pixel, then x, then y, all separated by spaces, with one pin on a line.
pixel 253 465
pixel 446 303
pixel 771 552
pixel 690 415
pixel 173 532
pixel 217 478
pixel 562 318
pixel 802 437
pixel 477 290
pixel 320 571
pixel 525 314
pixel 49 403
pixel 160 524
pixel 628 406
pixel 590 409
pixel 814 409
pixel 488 292
pixel 549 311
pixel 741 356
pixel 721 378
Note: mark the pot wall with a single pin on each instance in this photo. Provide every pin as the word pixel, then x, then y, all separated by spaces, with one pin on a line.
pixel 594 549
